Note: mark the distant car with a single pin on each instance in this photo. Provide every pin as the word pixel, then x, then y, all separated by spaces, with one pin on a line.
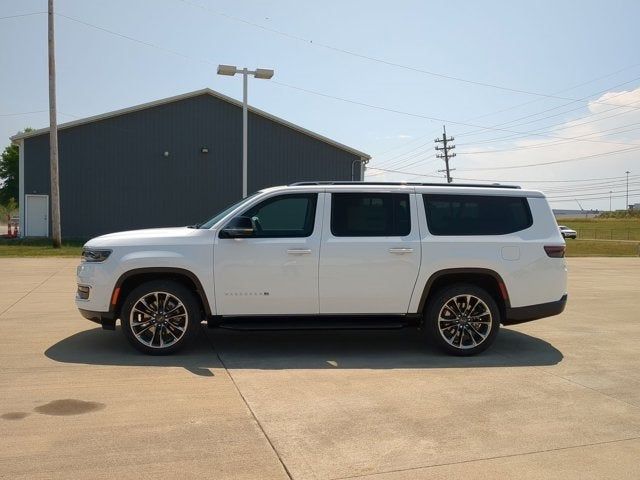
pixel 567 232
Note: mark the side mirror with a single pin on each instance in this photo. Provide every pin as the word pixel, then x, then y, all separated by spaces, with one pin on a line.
pixel 238 227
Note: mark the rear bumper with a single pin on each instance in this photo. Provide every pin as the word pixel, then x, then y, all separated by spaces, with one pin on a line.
pixel 106 319
pixel 534 312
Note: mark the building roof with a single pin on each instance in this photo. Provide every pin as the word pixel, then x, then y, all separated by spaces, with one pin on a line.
pixel 204 91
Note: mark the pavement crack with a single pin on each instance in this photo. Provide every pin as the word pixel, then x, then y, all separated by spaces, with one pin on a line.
pixel 587 387
pixel 575 383
pixel 273 447
pixel 497 457
pixel 30 291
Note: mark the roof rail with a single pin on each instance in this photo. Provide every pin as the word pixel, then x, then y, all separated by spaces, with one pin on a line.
pixel 416 184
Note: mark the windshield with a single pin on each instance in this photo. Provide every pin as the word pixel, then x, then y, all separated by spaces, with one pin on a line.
pixel 212 221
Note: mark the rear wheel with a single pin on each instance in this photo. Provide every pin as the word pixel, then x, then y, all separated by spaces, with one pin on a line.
pixel 160 317
pixel 462 319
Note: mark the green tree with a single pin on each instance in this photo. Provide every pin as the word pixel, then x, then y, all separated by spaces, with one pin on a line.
pixel 9 174
pixel 9 171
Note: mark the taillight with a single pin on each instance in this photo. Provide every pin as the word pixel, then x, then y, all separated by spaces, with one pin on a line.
pixel 555 251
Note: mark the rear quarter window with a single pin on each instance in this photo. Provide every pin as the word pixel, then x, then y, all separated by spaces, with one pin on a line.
pixel 476 214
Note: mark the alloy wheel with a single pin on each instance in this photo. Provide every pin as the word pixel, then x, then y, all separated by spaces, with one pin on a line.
pixel 464 321
pixel 158 320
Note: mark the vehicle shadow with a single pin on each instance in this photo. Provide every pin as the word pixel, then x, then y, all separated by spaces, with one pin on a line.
pixel 274 350
pixel 100 347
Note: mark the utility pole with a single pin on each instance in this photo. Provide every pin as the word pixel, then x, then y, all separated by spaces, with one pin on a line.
pixel 53 137
pixel 627 205
pixel 447 154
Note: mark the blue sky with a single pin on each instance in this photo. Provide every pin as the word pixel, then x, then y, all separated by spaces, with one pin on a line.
pixel 543 47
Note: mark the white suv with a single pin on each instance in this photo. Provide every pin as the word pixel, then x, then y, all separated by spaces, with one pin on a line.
pixel 456 260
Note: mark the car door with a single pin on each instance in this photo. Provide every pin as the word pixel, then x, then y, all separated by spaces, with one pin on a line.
pixel 370 253
pixel 274 270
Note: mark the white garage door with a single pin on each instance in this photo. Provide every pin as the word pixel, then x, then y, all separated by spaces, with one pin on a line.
pixel 37 216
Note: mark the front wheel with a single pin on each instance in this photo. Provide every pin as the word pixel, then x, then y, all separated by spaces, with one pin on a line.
pixel 160 317
pixel 462 319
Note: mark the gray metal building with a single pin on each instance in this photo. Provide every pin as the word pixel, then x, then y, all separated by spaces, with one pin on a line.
pixel 172 162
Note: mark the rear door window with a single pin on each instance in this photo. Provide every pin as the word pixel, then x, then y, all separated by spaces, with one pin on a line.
pixel 370 214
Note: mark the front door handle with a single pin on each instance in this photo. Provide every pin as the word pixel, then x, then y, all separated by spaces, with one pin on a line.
pixel 299 251
pixel 401 251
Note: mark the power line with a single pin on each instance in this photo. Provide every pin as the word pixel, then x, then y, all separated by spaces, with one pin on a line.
pixel 133 39
pixel 587 195
pixel 402 171
pixel 588 187
pixel 586 157
pixel 557 92
pixel 409 142
pixel 548 181
pixel 347 100
pixel 533 101
pixel 173 52
pixel 577 194
pixel 559 142
pixel 21 113
pixel 599 92
pixel 547 127
pixel 402 161
pixel 371 58
pixel 417 115
pixel 580 197
pixel 572 197
pixel 405 153
pixel 587 199
pixel 21 15
pixel 423 160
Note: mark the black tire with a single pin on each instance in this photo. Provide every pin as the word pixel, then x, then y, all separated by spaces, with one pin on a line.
pixel 473 337
pixel 175 322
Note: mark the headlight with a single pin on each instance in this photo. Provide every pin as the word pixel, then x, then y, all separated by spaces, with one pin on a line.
pixel 95 256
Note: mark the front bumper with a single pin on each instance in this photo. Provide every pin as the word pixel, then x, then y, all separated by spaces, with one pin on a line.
pixel 106 319
pixel 95 288
pixel 534 312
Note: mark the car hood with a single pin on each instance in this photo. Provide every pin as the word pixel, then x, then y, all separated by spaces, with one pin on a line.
pixel 151 236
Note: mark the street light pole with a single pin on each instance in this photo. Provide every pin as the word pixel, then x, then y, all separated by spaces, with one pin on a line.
pixel 610 192
pixel 245 132
pixel 262 73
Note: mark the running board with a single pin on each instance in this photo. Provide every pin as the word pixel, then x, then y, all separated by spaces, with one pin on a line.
pixel 298 323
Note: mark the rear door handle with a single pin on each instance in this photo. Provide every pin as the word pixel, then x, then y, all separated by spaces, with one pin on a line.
pixel 299 251
pixel 401 251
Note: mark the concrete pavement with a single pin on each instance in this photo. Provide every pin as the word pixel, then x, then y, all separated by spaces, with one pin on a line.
pixel 555 398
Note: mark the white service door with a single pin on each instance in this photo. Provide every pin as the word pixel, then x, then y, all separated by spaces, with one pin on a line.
pixel 37 216
pixel 370 253
pixel 274 272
